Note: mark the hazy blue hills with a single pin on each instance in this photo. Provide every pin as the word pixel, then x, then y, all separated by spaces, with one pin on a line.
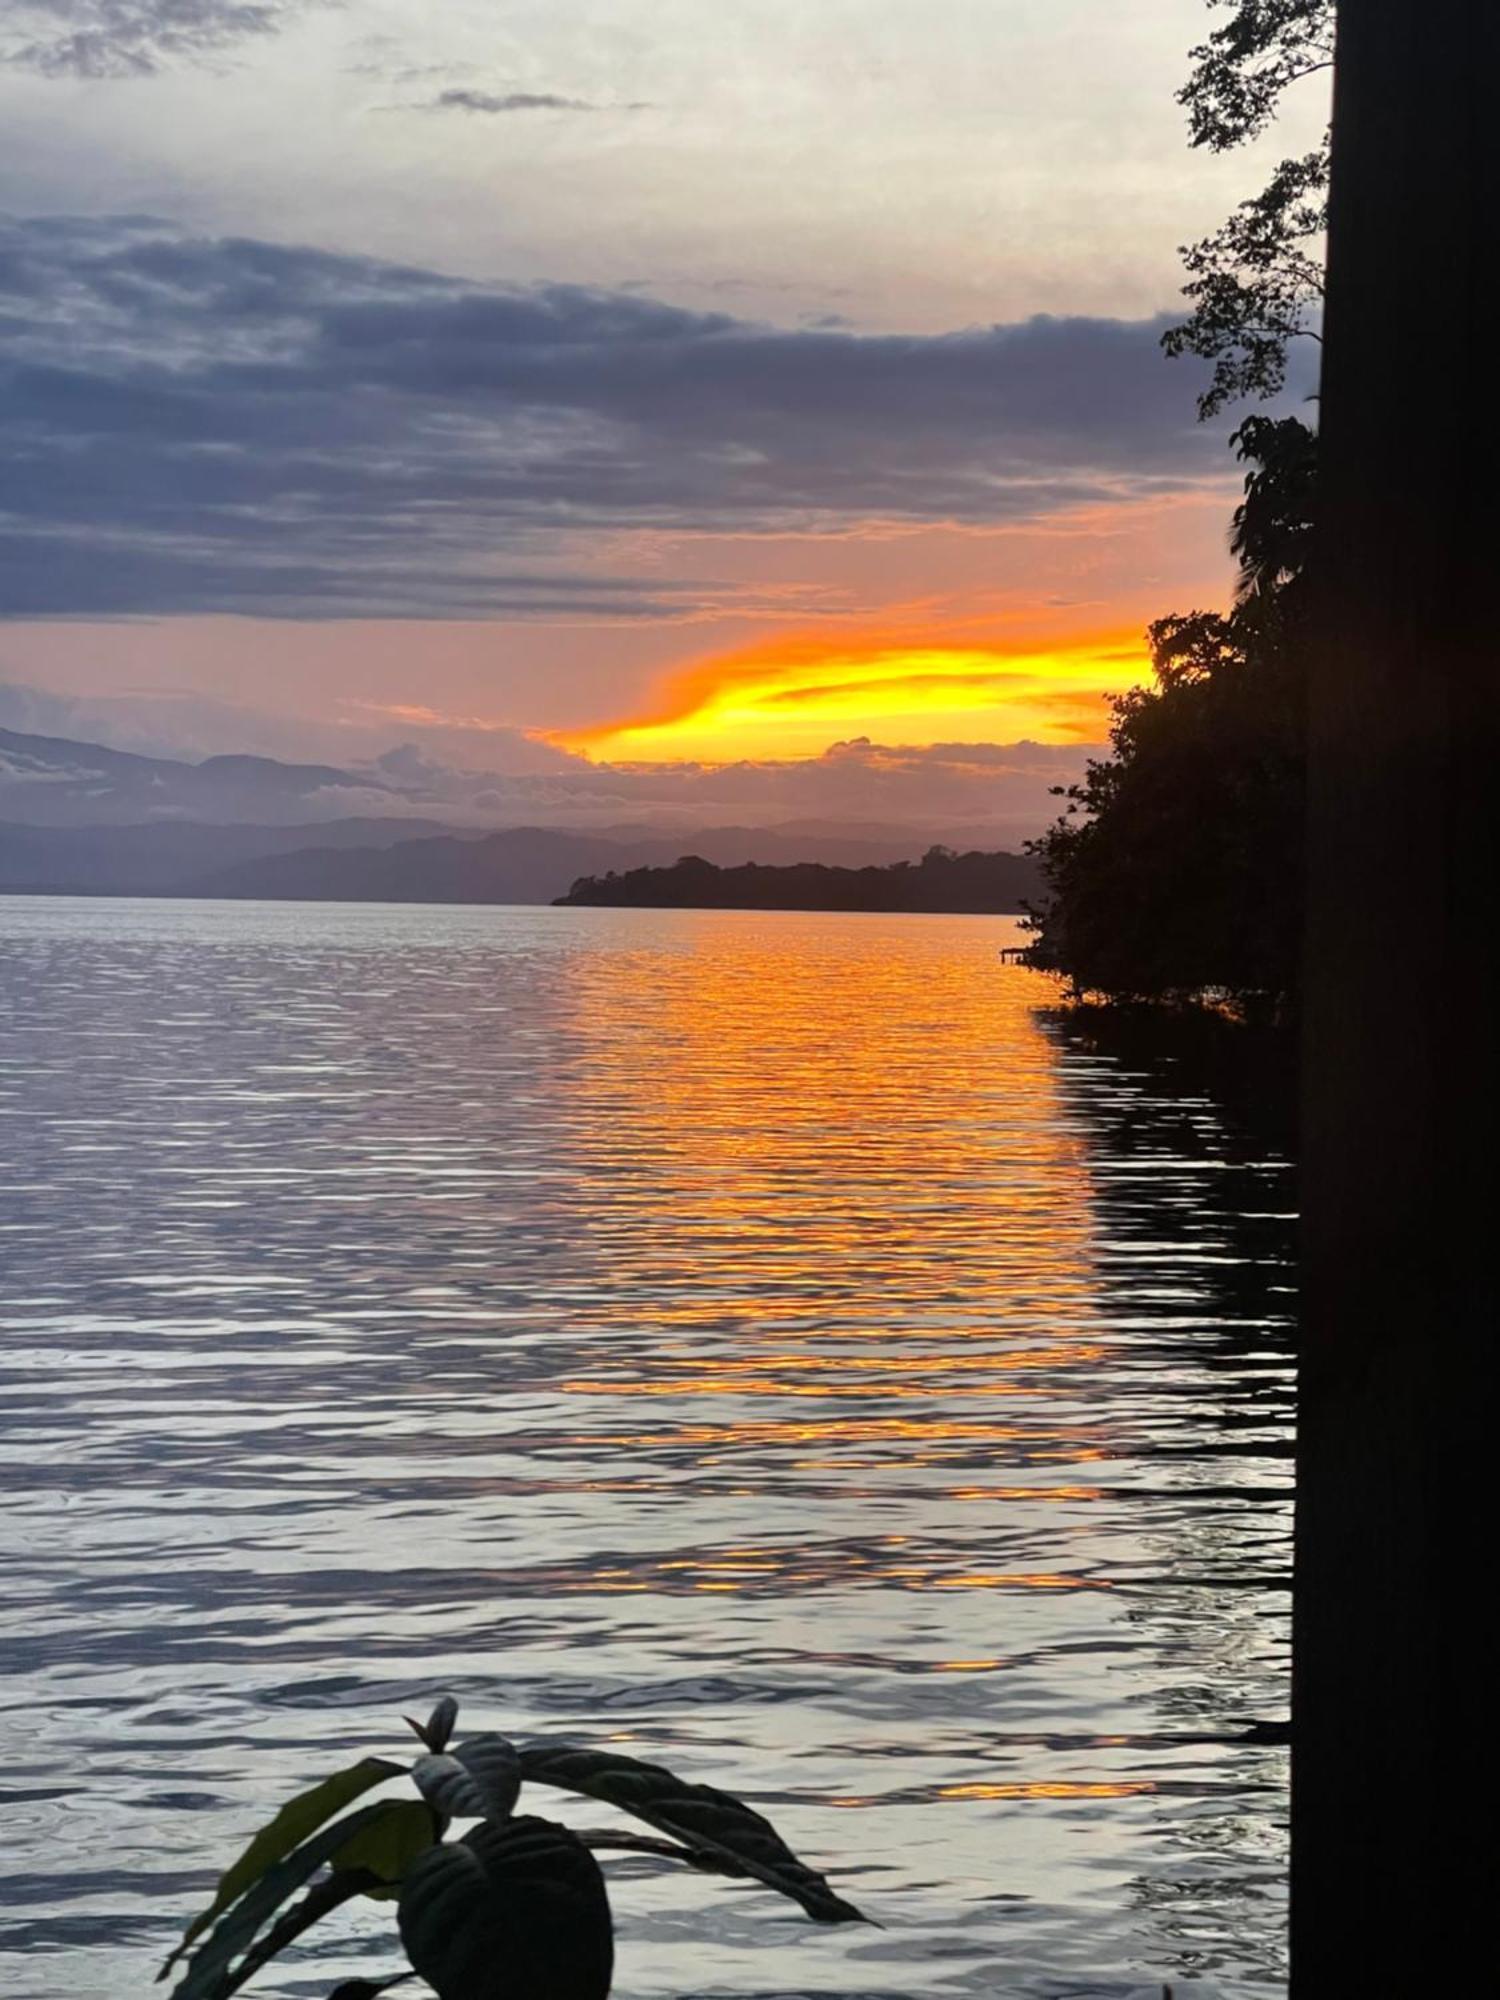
pixel 168 857
pixel 519 865
pixel 371 860
pixel 54 781
pixel 82 819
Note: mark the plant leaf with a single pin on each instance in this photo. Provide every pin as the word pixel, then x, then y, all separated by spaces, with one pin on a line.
pixel 516 1910
pixel 438 1727
pixel 696 1814
pixel 320 1899
pixel 386 1848
pixel 478 1780
pixel 236 1929
pixel 296 1820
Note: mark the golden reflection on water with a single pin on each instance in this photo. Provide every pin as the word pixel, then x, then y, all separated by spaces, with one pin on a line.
pixel 933 1436
pixel 1052 1789
pixel 793 1121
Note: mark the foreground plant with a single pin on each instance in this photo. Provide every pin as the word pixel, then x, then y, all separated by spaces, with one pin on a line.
pixel 513 1909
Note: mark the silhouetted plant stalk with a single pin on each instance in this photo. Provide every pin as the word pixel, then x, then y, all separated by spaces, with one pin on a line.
pixel 515 1907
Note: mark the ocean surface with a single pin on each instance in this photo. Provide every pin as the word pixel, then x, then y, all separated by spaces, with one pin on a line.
pixel 772 1344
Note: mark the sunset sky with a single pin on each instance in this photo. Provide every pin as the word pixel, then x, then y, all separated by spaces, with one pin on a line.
pixel 619 383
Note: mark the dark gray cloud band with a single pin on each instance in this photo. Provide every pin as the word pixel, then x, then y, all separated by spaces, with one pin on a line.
pixel 499 104
pixel 195 424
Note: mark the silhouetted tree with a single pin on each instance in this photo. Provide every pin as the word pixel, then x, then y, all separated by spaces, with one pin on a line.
pixel 944 881
pixel 1175 872
pixel 1256 284
pixel 1273 526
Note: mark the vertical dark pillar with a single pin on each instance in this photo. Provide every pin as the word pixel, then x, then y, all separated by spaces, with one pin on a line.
pixel 1396 1696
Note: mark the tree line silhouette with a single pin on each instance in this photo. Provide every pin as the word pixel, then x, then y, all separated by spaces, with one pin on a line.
pixel 942 881
pixel 1176 872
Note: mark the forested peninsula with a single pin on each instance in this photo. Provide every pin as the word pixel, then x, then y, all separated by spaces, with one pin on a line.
pixel 941 882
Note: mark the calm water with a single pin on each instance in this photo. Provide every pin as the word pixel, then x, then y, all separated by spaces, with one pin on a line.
pixel 767 1342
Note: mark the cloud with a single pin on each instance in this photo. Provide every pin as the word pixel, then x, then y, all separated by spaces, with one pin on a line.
pixel 787 696
pixel 124 38
pixel 1001 792
pixel 474 774
pixel 226 424
pixel 492 105
pixel 182 723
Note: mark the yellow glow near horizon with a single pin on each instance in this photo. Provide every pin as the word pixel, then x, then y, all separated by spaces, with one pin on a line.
pixel 792 699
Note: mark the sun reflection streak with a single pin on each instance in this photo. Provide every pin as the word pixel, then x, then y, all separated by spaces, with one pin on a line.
pixel 1051 1789
pixel 736 1298
pixel 755 1075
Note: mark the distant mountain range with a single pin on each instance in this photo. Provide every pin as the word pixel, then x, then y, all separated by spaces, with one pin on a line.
pixel 523 864
pixel 169 857
pixel 53 781
pixel 82 819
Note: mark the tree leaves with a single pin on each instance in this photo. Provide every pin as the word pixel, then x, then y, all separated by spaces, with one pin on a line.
pixel 478 1780
pixel 1255 285
pixel 698 1815
pixel 1272 534
pixel 1241 71
pixel 296 1820
pixel 514 1911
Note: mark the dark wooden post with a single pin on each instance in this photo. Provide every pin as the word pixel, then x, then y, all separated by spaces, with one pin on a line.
pixel 1395 1694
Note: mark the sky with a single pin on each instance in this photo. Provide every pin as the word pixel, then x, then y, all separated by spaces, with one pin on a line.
pixel 621 386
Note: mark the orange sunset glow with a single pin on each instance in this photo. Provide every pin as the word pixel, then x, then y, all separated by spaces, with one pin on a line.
pixel 793 698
